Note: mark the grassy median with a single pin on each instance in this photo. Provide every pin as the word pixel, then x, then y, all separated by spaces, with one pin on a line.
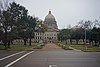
pixel 20 47
pixel 65 47
pixel 85 48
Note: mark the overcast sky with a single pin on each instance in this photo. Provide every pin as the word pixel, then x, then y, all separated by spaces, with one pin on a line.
pixel 65 11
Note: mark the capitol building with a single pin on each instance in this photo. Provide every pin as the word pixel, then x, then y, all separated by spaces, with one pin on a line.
pixel 50 34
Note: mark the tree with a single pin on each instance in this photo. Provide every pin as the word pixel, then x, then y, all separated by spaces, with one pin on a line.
pixel 77 34
pixel 5 25
pixel 64 34
pixel 21 21
pixel 8 16
pixel 86 26
pixel 1 34
pixel 95 35
pixel 22 24
pixel 40 26
pixel 31 27
pixel 15 20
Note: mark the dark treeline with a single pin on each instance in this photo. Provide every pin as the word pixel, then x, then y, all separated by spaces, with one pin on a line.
pixel 15 23
pixel 83 30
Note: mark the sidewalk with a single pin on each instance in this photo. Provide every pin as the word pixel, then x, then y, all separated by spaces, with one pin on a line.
pixel 51 46
pixel 74 49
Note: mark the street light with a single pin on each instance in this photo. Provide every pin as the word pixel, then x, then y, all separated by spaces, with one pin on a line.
pixel 86 26
pixel 85 39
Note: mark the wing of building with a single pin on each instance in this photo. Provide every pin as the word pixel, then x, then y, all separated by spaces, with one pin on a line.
pixel 51 30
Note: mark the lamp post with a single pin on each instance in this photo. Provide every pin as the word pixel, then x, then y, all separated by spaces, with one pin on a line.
pixel 86 26
pixel 85 39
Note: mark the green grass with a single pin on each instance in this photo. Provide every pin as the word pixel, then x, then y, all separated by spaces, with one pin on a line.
pixel 65 47
pixel 20 47
pixel 83 48
pixel 92 49
pixel 2 47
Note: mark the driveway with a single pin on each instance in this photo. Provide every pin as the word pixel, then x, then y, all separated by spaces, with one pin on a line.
pixel 51 47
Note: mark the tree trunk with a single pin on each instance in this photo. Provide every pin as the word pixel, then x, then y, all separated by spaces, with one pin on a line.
pixel 70 41
pixel 95 43
pixel 84 41
pixel 30 40
pixel 99 43
pixel 24 41
pixel 9 44
pixel 90 43
pixel 11 41
pixel 77 41
pixel 66 42
pixel 5 38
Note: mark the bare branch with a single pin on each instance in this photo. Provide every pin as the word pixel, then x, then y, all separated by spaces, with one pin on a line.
pixel 4 4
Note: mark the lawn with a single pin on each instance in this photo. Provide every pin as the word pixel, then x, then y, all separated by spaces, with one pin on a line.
pixel 20 47
pixel 65 47
pixel 86 49
pixel 1 47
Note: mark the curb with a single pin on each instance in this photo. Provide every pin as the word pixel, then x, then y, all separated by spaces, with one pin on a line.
pixel 74 49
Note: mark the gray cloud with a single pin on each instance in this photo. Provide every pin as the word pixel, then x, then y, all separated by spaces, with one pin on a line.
pixel 65 11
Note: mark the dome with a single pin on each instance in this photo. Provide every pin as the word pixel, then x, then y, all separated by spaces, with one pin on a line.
pixel 49 17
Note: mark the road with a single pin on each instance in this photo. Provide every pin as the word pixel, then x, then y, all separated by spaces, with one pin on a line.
pixel 50 56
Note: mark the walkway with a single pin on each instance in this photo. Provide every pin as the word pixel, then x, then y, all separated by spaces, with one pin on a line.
pixel 51 47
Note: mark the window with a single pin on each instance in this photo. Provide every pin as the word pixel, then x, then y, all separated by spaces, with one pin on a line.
pixel 35 33
pixel 54 34
pixel 54 37
pixel 35 37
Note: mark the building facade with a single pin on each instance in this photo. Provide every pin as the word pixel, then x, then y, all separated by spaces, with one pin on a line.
pixel 50 34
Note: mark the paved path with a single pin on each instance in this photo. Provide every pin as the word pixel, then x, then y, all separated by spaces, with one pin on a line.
pixel 52 56
pixel 51 47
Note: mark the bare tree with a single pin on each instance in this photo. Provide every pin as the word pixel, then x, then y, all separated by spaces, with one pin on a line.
pixel 4 4
pixel 86 24
pixel 96 23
